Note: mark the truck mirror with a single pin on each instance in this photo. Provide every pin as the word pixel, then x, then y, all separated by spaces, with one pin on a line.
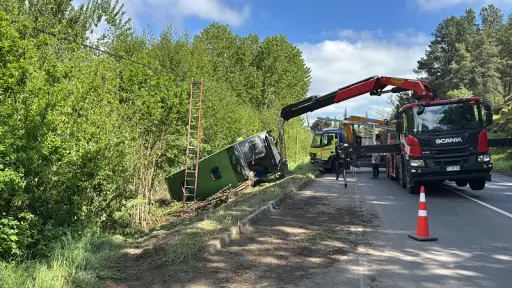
pixel 420 110
pixel 397 115
pixel 398 127
pixel 488 118
pixel 487 107
pixel 386 121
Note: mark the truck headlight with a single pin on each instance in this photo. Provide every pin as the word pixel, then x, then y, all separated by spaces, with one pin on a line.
pixel 417 163
pixel 484 158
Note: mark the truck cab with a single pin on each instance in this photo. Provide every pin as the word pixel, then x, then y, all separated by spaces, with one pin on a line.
pixel 444 140
pixel 323 147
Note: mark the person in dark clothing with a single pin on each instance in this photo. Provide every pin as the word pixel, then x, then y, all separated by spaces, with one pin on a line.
pixel 376 159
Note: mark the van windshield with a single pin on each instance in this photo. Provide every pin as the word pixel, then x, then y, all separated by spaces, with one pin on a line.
pixel 252 148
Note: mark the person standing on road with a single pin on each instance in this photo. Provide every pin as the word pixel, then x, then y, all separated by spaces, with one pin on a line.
pixel 376 159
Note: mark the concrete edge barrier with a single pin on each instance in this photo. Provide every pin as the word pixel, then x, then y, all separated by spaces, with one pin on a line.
pixel 244 225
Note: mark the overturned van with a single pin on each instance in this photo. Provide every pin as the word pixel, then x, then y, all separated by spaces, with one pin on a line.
pixel 230 166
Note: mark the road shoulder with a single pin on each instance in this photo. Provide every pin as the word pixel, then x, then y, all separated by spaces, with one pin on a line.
pixel 317 238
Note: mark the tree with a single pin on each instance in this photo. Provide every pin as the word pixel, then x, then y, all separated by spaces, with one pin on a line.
pixel 383 112
pixel 440 55
pixel 319 125
pixel 458 93
pixel 505 41
pixel 492 21
pixel 278 59
pixel 462 68
pixel 486 72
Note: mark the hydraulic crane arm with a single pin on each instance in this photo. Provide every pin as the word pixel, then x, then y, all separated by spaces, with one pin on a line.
pixel 374 85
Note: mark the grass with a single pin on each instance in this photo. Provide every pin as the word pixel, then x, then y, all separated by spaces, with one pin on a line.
pixel 501 157
pixel 89 260
pixel 72 264
pixel 190 236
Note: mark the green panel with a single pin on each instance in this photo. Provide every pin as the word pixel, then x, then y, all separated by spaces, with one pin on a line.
pixel 206 185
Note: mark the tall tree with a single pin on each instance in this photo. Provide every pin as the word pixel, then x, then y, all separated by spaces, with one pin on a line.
pixel 486 72
pixel 277 59
pixel 505 41
pixel 492 21
pixel 440 55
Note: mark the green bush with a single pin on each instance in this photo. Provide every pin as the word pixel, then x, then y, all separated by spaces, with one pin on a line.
pixel 84 137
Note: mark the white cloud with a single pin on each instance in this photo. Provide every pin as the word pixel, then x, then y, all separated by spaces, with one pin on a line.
pixel 359 35
pixel 411 36
pixel 336 63
pixel 434 5
pixel 175 11
pixel 215 10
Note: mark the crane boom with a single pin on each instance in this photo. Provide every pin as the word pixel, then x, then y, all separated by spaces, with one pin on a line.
pixel 374 85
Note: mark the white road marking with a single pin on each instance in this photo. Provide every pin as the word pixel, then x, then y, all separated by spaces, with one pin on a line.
pixel 494 179
pixel 480 202
pixel 362 268
pixel 362 259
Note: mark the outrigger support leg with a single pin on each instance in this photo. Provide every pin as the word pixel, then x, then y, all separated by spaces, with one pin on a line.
pixel 344 151
pixel 337 159
pixel 282 145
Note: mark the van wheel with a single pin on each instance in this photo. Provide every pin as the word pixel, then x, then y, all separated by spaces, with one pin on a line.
pixel 477 184
pixel 461 183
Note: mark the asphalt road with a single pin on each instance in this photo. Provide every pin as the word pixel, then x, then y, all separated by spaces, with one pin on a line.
pixel 331 236
pixel 474 230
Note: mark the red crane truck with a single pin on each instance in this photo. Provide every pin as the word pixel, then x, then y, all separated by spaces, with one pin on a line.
pixel 442 140
pixel 437 140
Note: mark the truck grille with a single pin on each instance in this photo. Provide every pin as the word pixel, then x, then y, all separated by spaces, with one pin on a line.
pixel 451 162
pixel 449 151
pixel 424 142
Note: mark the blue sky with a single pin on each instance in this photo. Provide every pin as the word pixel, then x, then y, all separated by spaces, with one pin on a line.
pixel 342 41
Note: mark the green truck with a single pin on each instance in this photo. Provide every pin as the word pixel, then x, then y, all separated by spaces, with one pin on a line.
pixel 232 165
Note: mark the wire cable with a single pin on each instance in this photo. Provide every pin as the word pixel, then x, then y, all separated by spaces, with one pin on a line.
pixel 104 51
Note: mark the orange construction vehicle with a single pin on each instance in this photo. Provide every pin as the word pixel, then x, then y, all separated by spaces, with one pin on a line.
pixel 353 136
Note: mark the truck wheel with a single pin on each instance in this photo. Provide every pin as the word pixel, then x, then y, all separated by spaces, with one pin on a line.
pixel 461 183
pixel 477 184
pixel 401 176
pixel 412 188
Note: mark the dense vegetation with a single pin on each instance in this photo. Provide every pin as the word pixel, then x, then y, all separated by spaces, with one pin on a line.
pixel 86 138
pixel 472 55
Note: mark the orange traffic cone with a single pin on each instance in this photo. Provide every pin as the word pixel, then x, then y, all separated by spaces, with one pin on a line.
pixel 422 233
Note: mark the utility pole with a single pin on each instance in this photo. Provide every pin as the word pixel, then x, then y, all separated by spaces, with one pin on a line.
pixel 296 144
